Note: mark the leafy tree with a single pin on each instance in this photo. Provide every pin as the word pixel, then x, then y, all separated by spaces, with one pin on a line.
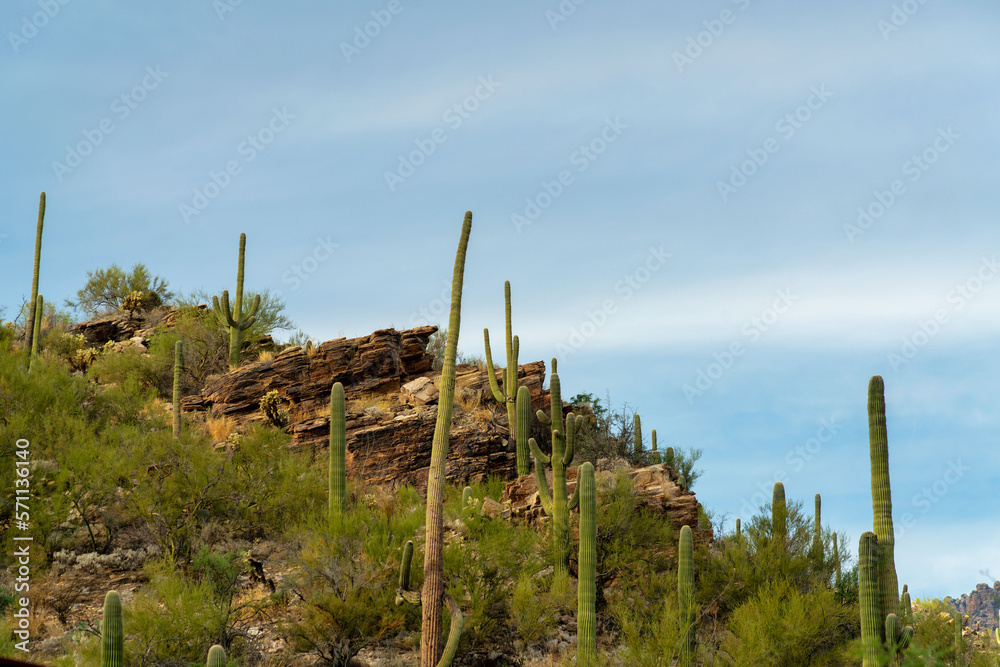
pixel 270 316
pixel 107 289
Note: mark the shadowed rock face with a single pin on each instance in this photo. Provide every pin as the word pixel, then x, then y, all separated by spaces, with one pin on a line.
pixel 389 434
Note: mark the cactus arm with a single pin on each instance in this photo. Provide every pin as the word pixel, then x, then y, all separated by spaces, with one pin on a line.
pixel 541 460
pixel 454 633
pixel 37 334
pixel 586 615
pixel 544 418
pixel 573 424
pixel 575 500
pixel 490 373
pixel 538 452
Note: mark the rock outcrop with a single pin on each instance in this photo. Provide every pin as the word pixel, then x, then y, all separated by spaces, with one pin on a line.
pixel 981 605
pixel 656 487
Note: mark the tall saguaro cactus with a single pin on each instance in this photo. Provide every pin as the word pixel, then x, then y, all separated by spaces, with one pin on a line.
pixel 432 593
pixel 32 311
pixel 816 551
pixel 685 595
pixel 36 337
pixel 872 620
pixel 112 632
pixel 779 515
pixel 234 318
pixel 508 395
pixel 178 370
pixel 888 585
pixel 338 451
pixel 555 503
pixel 586 599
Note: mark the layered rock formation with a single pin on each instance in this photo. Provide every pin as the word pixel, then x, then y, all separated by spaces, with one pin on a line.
pixel 981 605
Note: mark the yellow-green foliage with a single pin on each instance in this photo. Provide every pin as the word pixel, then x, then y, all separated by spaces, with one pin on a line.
pixel 784 627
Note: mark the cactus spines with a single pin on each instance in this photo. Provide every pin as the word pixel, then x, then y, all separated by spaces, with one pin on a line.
pixel 637 440
pixel 779 515
pixel 338 452
pixel 178 370
pixel 523 407
pixel 872 620
pixel 888 585
pixel 433 594
pixel 32 311
pixel 555 503
pixel 112 632
pixel 216 657
pixel 37 335
pixel 234 319
pixel 508 395
pixel 685 595
pixel 586 615
pixel 654 457
pixel 816 551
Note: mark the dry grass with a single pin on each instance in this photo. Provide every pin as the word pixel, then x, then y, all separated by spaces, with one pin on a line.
pixel 219 428
pixel 365 401
pixel 266 355
pixel 470 402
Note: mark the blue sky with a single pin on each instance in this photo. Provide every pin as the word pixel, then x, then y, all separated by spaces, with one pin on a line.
pixel 767 203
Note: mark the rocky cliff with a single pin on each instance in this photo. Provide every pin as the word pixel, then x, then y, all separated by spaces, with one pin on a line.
pixel 982 605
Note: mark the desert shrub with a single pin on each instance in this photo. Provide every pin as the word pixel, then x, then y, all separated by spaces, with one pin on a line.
pixel 650 630
pixel 346 576
pixel 782 626
pixel 128 365
pixel 270 407
pixel 106 290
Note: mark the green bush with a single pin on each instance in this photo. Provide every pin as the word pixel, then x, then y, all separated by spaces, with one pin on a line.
pixel 106 290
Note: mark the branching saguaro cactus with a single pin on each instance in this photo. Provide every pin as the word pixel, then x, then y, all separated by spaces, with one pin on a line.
pixel 36 337
pixel 234 319
pixel 178 371
pixel 33 312
pixel 555 503
pixel 433 590
pixel 888 585
pixel 338 452
pixel 685 595
pixel 507 396
pixel 404 594
pixel 654 456
pixel 779 515
pixel 112 632
pixel 816 550
pixel 586 614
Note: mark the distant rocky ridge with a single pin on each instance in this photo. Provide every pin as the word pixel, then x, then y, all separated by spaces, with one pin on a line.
pixel 981 605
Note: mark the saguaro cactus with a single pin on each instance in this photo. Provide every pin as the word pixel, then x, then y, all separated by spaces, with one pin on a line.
pixel 178 370
pixel 112 632
pixel 905 608
pixel 586 615
pixel 888 585
pixel 685 595
pixel 836 562
pixel 433 590
pixel 523 406
pixel 816 551
pixel 234 319
pixel 32 311
pixel 637 440
pixel 872 620
pixel 36 337
pixel 738 535
pixel 654 457
pixel 508 395
pixel 555 503
pixel 216 657
pixel 338 451
pixel 779 515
